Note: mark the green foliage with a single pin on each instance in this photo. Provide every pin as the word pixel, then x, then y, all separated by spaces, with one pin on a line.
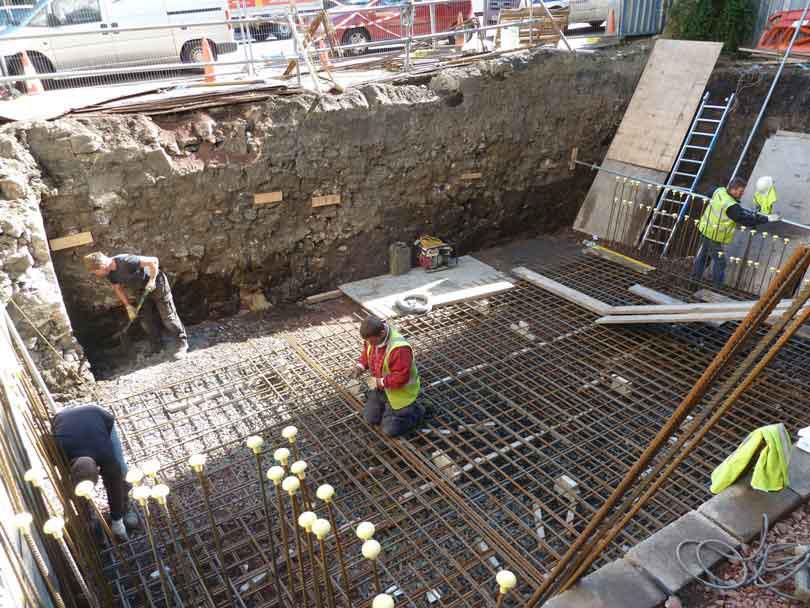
pixel 728 21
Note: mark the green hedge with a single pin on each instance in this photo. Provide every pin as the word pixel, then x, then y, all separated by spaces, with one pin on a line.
pixel 728 21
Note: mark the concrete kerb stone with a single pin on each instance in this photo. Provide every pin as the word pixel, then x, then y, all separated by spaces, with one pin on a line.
pixel 657 555
pixel 739 509
pixel 619 584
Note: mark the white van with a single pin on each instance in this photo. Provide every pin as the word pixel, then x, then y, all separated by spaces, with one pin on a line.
pixel 594 12
pixel 81 34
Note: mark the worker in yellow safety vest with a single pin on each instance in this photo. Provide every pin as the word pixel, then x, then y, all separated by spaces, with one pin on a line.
pixel 394 387
pixel 765 196
pixel 717 226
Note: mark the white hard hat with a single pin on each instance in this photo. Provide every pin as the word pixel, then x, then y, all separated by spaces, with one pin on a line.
pixel 764 184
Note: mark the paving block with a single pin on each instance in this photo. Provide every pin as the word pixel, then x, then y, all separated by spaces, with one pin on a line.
pixel 656 555
pixel 739 508
pixel 616 585
pixel 799 472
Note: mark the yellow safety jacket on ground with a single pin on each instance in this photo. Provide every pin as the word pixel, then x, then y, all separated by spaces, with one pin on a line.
pixel 404 396
pixel 771 469
pixel 765 202
pixel 714 223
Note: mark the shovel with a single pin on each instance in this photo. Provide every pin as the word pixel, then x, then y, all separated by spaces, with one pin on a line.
pixel 121 335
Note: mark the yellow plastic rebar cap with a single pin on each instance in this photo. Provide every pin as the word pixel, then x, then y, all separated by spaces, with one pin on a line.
pixel 142 494
pixel 371 549
pixel 255 443
pixel 160 492
pixel 321 528
pixel 290 485
pixel 307 519
pixel 22 521
pixel 281 455
pixel 197 461
pixel 365 530
pixel 298 468
pixel 289 433
pixel 383 600
pixel 54 526
pixel 151 467
pixel 134 476
pixel 506 580
pixel 275 474
pixel 84 488
pixel 325 492
pixel 35 476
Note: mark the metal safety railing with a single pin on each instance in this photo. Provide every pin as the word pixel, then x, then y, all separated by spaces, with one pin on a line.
pixel 40 49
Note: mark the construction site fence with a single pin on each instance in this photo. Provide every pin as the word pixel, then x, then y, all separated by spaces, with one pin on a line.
pixel 175 54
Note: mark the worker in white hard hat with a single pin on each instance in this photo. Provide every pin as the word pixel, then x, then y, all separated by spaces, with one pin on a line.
pixel 765 196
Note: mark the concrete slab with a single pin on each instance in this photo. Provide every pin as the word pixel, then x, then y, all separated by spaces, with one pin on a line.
pixel 594 215
pixel 656 555
pixel 469 280
pixel 616 585
pixel 799 472
pixel 739 508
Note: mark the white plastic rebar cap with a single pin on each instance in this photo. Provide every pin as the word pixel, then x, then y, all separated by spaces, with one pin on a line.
pixel 275 474
pixel 160 492
pixel 22 521
pixel 506 580
pixel 35 476
pixel 383 601
pixel 307 519
pixel 299 468
pixel 142 494
pixel 151 467
pixel 54 526
pixel 321 528
pixel 255 443
pixel 134 476
pixel 84 488
pixel 197 461
pixel 325 492
pixel 289 433
pixel 290 485
pixel 371 549
pixel 365 530
pixel 281 455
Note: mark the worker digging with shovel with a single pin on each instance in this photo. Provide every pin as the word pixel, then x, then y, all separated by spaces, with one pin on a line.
pixel 142 278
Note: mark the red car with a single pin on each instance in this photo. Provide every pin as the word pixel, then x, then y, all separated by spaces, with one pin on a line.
pixel 363 21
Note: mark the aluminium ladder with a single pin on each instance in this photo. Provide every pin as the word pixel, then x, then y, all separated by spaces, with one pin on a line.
pixel 674 201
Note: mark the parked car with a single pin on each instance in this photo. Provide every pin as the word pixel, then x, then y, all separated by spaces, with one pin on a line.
pixel 364 21
pixel 79 34
pixel 593 12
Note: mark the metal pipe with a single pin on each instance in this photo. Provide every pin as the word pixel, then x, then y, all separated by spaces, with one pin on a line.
pixel 640 179
pixel 326 493
pixel 197 463
pixel 254 442
pixel 290 485
pixel 770 91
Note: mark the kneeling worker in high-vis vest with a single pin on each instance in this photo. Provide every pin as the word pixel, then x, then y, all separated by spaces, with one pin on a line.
pixel 391 403
pixel 717 225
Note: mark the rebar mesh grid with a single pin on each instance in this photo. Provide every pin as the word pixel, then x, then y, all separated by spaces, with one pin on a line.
pixel 536 414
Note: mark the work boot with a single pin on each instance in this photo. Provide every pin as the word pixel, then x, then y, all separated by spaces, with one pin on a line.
pixel 131 520
pixel 119 530
pixel 181 352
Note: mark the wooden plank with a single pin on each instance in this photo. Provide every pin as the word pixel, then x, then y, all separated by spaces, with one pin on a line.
pixel 323 201
pixel 323 297
pixel 652 295
pixel 682 318
pixel 670 305
pixel 73 240
pixel 265 198
pixel 619 258
pixel 572 295
pixel 661 109
pixel 707 295
pixel 471 176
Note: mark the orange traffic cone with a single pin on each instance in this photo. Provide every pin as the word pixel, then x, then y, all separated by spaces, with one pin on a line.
pixel 33 86
pixel 611 23
pixel 460 25
pixel 208 57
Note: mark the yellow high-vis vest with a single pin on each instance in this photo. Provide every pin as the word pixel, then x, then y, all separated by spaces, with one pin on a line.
pixel 714 223
pixel 765 202
pixel 404 396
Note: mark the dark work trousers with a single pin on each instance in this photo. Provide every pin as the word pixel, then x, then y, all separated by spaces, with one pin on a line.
pixel 708 254
pixel 392 422
pixel 158 312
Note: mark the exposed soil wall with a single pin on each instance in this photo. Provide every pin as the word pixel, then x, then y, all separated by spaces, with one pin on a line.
pixel 181 187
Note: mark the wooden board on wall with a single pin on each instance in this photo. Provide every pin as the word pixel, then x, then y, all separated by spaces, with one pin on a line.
pixel 265 198
pixel 323 201
pixel 74 240
pixel 663 105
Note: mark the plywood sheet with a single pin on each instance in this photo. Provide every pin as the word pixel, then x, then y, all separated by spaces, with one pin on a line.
pixel 666 97
pixel 594 217
pixel 74 240
pixel 471 279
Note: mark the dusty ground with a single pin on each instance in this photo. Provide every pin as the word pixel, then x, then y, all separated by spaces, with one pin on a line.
pixel 795 528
